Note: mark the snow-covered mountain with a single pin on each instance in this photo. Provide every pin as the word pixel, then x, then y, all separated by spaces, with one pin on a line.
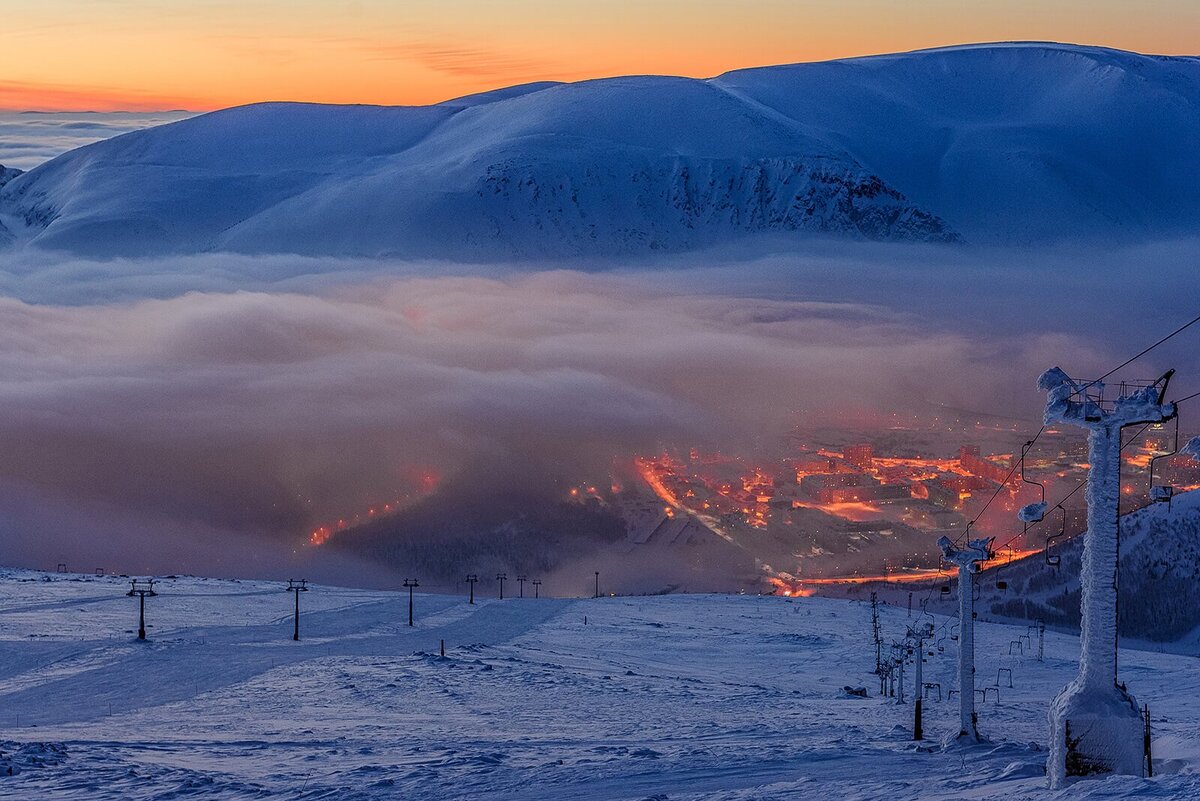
pixel 1011 143
pixel 1160 551
pixel 7 174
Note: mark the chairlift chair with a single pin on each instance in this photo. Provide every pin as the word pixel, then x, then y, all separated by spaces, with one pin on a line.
pixel 1054 559
pixel 1002 584
pixel 1033 513
pixel 1163 493
pixel 1037 518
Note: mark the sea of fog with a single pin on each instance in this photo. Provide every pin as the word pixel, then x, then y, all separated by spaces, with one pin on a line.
pixel 206 410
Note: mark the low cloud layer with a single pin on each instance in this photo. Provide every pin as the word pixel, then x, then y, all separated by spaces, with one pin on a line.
pixel 29 138
pixel 193 431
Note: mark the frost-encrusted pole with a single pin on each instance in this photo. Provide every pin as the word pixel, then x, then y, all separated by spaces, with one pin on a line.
pixel 967 559
pixel 1095 725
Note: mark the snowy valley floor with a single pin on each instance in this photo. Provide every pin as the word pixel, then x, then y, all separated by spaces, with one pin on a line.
pixel 675 697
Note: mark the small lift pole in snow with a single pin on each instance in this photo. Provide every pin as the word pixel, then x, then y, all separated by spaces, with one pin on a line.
pixel 597 595
pixel 141 588
pixel 410 583
pixel 297 587
pixel 500 577
pixel 967 560
pixel 471 579
pixel 536 584
pixel 875 633
pixel 1103 718
pixel 919 635
pixel 521 583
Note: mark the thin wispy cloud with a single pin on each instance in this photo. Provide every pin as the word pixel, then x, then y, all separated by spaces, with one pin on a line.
pixel 465 61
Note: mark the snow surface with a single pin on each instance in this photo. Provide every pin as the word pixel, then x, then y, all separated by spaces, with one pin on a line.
pixel 668 697
pixel 1015 143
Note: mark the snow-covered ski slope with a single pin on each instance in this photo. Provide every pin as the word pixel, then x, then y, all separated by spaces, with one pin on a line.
pixel 668 697
pixel 1008 143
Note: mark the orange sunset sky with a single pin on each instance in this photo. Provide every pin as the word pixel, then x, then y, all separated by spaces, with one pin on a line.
pixel 160 54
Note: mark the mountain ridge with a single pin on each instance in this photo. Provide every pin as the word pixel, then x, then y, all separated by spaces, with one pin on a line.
pixel 1013 143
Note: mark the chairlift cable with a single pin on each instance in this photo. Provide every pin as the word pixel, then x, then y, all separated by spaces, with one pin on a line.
pixel 1131 359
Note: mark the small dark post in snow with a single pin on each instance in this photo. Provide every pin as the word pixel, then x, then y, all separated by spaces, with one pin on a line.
pixel 876 634
pixel 919 636
pixel 521 583
pixel 410 583
pixel 500 577
pixel 910 604
pixel 536 584
pixel 443 647
pixel 471 579
pixel 898 654
pixel 297 586
pixel 141 588
pixel 597 584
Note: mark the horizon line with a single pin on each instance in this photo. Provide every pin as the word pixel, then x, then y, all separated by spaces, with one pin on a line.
pixel 204 108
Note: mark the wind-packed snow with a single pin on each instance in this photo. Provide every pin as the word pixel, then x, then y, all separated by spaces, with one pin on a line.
pixel 1012 144
pixel 677 697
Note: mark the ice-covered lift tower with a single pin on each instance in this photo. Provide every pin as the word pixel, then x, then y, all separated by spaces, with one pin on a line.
pixel 1095 725
pixel 967 560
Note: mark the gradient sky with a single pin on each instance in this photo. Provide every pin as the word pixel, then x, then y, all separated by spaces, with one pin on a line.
pixel 203 54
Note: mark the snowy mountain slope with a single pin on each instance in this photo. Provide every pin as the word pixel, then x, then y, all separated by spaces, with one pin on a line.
pixel 1160 552
pixel 998 143
pixel 1013 142
pixel 681 697
pixel 6 175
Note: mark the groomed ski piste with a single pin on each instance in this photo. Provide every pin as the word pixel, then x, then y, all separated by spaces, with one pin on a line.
pixel 663 697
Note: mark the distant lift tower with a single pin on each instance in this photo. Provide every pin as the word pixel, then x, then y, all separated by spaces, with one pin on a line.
pixel 967 559
pixel 1095 725
pixel 296 586
pixel 141 589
